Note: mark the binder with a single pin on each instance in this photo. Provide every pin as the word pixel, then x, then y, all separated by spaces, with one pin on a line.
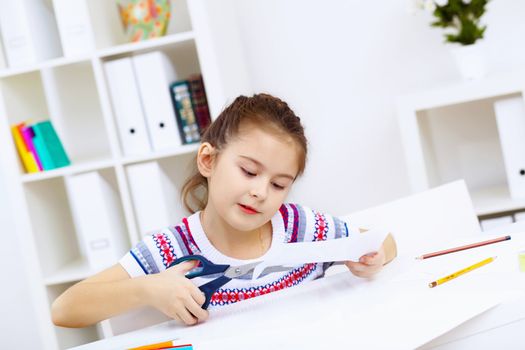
pixel 98 218
pixel 29 32
pixel 74 27
pixel 186 120
pixel 154 74
pixel 510 117
pixel 127 107
pixel 153 196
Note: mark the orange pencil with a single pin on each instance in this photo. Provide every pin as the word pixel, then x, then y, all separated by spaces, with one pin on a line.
pixel 468 246
pixel 169 344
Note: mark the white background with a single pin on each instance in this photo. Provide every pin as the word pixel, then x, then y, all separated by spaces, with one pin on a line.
pixel 340 64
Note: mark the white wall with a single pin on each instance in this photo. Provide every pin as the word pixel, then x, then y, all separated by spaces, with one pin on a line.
pixel 340 64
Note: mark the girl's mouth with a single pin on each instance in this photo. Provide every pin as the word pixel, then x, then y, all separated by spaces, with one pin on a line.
pixel 247 209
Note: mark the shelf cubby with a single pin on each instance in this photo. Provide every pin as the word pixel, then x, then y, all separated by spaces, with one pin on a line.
pixel 24 98
pixel 451 133
pixel 75 111
pixel 108 28
pixel 52 224
pixel 454 149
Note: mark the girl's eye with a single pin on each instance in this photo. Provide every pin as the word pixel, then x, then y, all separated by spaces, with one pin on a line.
pixel 278 187
pixel 248 173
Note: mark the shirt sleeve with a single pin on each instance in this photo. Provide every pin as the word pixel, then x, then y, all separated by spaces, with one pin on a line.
pixel 303 224
pixel 153 254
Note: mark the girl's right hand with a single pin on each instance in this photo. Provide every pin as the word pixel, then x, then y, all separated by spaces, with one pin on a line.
pixel 175 295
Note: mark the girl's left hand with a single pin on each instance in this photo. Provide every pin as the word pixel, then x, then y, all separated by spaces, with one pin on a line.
pixel 368 265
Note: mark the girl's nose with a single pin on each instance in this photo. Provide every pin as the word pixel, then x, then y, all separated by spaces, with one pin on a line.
pixel 259 190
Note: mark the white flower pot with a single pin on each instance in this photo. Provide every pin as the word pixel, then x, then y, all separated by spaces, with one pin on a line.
pixel 470 61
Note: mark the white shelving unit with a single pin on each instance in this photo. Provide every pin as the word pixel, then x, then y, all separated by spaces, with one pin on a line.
pixel 72 92
pixel 451 133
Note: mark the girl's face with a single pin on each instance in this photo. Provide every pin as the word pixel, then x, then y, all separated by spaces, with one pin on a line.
pixel 251 177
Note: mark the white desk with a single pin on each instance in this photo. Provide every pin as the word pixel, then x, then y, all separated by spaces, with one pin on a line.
pixel 396 310
pixel 503 326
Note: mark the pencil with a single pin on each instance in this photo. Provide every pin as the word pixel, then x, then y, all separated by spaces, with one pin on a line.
pixel 461 272
pixel 468 246
pixel 169 344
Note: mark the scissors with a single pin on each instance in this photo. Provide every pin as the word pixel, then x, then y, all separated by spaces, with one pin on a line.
pixel 226 273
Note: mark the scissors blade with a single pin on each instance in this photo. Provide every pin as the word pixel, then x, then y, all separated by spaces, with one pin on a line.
pixel 240 270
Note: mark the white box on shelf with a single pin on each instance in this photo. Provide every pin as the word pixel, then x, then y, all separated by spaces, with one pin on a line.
pixel 74 26
pixel 99 223
pixel 155 73
pixel 510 117
pixel 488 224
pixel 29 32
pixel 153 196
pixel 127 107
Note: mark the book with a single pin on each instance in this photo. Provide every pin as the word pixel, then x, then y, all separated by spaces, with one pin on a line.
pixel 28 160
pixel 27 135
pixel 199 102
pixel 48 146
pixel 181 98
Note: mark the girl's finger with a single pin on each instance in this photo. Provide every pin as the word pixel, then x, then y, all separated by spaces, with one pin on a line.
pixel 196 309
pixel 368 258
pixel 186 266
pixel 186 316
pixel 355 266
pixel 177 318
pixel 197 295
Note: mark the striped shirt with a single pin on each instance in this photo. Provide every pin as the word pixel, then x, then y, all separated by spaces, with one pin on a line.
pixel 291 223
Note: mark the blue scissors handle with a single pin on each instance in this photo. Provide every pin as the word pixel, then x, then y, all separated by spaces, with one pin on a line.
pixel 205 268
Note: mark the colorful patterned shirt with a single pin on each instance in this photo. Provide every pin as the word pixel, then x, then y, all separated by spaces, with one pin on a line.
pixel 291 223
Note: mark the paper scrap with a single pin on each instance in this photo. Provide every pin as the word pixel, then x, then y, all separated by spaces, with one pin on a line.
pixel 340 249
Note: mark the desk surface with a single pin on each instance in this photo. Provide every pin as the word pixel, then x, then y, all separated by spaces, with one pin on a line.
pixel 396 310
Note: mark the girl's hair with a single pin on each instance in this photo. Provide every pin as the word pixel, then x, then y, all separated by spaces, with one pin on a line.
pixel 263 110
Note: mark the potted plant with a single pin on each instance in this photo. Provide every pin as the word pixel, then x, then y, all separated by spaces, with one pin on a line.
pixel 461 20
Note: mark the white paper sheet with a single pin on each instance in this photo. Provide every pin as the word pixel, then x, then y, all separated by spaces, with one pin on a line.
pixel 341 249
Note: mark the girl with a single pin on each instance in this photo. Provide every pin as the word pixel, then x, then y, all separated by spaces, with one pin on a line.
pixel 247 162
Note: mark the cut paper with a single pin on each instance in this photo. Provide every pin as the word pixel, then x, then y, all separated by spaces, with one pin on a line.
pixel 340 249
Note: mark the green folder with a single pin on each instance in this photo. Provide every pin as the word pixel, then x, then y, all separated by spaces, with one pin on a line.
pixel 48 146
